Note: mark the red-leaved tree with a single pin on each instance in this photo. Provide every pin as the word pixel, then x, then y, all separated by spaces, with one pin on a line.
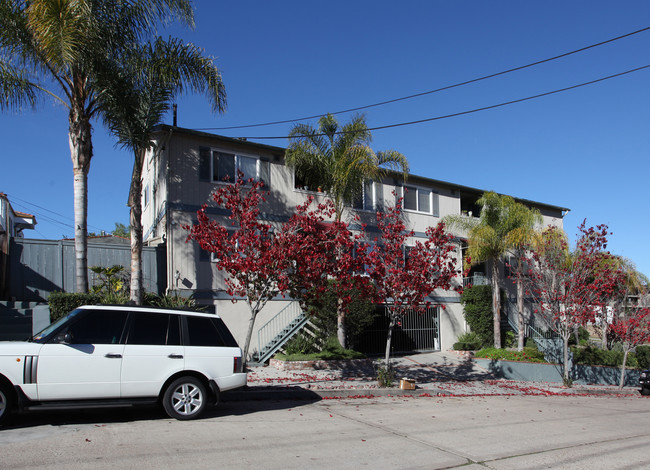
pixel 323 250
pixel 631 325
pixel 404 276
pixel 256 262
pixel 570 288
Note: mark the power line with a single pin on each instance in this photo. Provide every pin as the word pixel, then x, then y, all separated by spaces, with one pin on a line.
pixel 475 110
pixel 47 218
pixel 416 95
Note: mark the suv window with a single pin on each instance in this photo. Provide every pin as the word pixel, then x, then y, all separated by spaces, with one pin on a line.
pixel 154 329
pixel 98 327
pixel 203 331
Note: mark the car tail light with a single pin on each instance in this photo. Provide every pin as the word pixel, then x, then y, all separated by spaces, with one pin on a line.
pixel 237 365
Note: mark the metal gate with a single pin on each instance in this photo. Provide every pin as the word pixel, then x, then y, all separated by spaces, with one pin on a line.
pixel 415 332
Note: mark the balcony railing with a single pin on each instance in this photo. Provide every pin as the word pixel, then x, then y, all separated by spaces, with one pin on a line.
pixel 476 280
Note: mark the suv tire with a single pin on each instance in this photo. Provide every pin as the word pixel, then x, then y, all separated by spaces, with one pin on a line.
pixel 5 403
pixel 645 391
pixel 185 398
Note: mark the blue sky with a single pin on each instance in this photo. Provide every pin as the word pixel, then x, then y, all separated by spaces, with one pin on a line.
pixel 586 149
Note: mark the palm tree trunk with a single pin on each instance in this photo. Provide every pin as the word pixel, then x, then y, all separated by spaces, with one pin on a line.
pixel 135 203
pixel 496 303
pixel 79 135
pixel 520 314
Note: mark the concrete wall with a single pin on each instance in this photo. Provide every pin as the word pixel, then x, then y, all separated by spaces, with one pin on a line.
pixel 581 374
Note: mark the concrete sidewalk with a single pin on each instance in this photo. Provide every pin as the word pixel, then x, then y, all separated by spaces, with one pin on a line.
pixel 435 374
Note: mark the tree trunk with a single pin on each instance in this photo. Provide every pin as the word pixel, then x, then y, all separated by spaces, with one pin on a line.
pixel 389 338
pixel 81 151
pixel 622 382
pixel 520 314
pixel 249 335
pixel 603 340
pixel 340 323
pixel 496 303
pixel 135 203
pixel 565 375
pixel 80 231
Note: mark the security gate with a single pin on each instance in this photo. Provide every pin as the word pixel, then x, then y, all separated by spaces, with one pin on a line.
pixel 414 332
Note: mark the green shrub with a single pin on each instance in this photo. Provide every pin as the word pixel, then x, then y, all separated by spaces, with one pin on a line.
pixel 360 314
pixel 530 343
pixel 477 308
pixel 643 357
pixel 300 344
pixel 113 287
pixel 602 357
pixel 468 342
pixel 509 339
pixel 385 376
pixel 169 301
pixel 583 337
pixel 527 355
pixel 62 303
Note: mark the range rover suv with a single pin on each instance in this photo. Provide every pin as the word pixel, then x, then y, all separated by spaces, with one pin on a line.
pixel 99 356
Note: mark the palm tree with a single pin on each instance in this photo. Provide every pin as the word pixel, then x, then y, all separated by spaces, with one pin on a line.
pixel 149 78
pixel 67 49
pixel 339 159
pixel 519 239
pixel 504 224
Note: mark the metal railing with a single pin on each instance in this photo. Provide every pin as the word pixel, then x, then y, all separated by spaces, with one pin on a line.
pixel 476 280
pixel 278 330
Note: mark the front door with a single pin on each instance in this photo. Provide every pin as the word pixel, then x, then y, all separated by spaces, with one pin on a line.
pixel 85 360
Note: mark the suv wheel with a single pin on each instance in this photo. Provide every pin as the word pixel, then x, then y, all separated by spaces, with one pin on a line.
pixel 645 391
pixel 185 398
pixel 5 404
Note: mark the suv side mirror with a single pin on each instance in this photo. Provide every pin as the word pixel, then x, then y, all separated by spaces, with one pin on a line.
pixel 64 337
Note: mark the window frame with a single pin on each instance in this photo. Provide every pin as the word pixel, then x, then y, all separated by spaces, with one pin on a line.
pixel 260 173
pixel 434 202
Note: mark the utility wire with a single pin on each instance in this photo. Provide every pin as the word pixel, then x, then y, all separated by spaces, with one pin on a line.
pixel 416 95
pixel 47 218
pixel 475 110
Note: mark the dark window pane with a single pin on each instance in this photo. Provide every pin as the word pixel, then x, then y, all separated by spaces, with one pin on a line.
pixel 202 332
pixel 410 198
pixel 174 332
pixel 223 167
pixel 148 328
pixel 98 327
pixel 248 166
pixel 424 198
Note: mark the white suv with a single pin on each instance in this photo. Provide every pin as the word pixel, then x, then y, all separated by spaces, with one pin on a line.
pixel 100 356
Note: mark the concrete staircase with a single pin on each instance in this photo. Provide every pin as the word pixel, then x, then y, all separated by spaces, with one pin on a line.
pixel 20 320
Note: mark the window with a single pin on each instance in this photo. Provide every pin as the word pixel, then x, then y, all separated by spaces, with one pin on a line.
pixel 154 329
pixel 420 200
pixel 226 165
pixel 370 198
pixel 98 327
pixel 146 195
pixel 203 331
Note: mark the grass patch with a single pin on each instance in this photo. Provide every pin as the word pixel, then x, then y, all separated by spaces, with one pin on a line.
pixel 527 355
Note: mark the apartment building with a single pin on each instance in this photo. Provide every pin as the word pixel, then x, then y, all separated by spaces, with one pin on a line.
pixel 187 166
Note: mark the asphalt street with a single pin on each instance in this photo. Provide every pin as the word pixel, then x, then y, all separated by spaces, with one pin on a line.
pixel 424 432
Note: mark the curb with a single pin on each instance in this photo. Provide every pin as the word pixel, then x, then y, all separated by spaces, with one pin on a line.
pixel 300 393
